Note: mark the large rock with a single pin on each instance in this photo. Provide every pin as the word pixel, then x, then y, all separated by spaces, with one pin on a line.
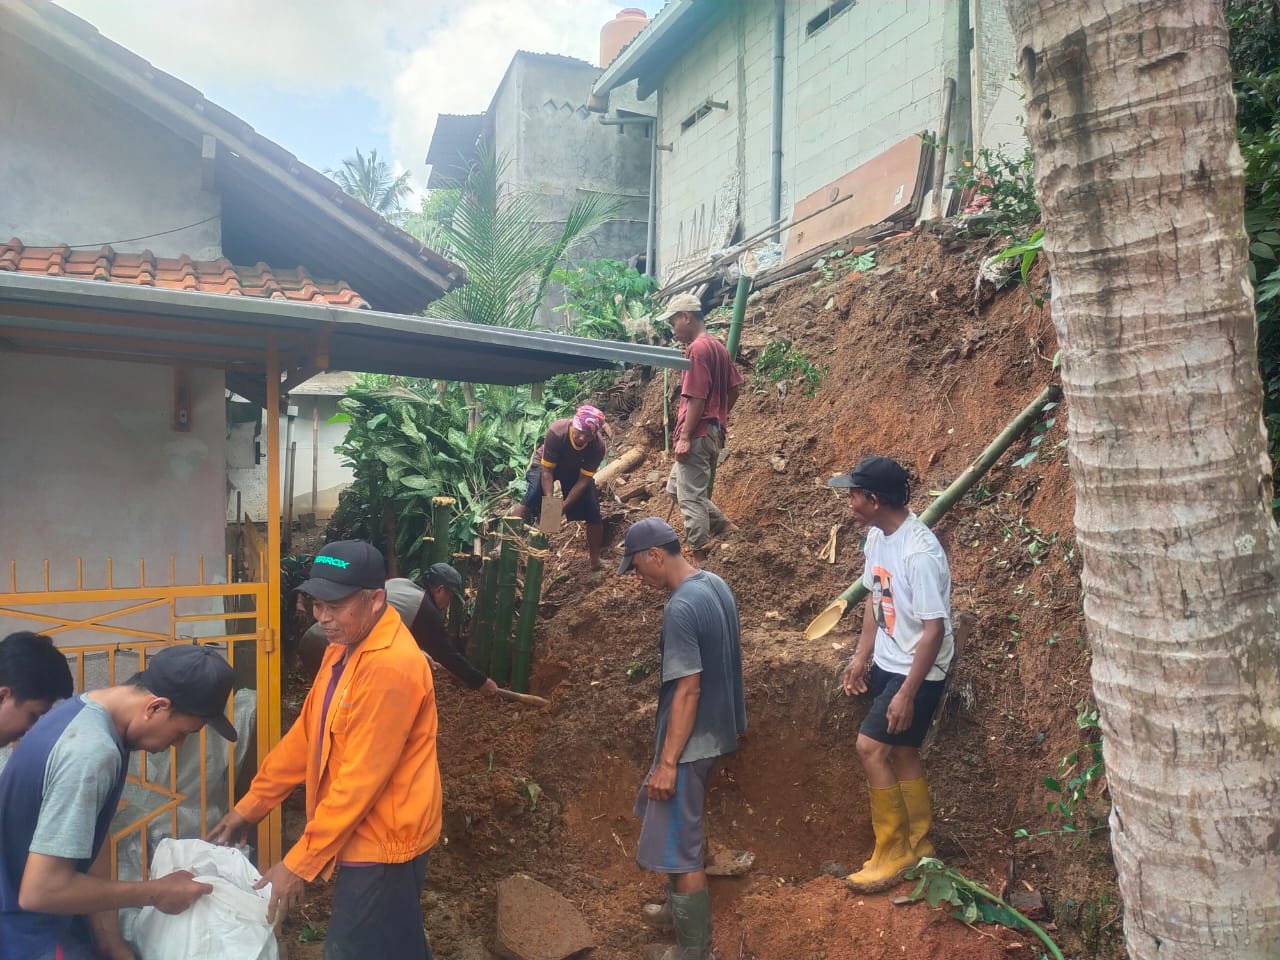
pixel 536 923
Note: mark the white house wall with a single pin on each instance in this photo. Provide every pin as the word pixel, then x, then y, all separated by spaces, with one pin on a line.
pixel 91 467
pixel 249 480
pixel 870 77
pixel 81 169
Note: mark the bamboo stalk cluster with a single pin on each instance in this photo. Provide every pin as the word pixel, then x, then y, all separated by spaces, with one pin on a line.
pixel 501 642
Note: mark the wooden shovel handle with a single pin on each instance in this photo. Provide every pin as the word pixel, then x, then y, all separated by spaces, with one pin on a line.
pixel 528 698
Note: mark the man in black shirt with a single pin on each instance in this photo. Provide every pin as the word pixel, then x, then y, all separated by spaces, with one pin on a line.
pixel 423 613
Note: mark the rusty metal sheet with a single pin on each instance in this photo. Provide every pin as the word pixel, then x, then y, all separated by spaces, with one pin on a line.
pixel 889 186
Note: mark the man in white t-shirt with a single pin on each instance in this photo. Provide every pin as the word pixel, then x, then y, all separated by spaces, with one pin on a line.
pixel 903 655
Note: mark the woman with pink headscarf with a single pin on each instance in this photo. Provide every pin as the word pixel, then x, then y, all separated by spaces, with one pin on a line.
pixel 571 452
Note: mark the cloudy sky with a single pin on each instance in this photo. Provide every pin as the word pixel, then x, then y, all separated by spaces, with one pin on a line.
pixel 322 78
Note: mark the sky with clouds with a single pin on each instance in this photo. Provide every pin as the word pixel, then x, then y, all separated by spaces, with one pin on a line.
pixel 322 79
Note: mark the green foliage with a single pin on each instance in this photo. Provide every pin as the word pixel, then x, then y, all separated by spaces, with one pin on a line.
pixel 431 222
pixel 1255 59
pixel 601 296
pixel 1003 190
pixel 499 235
pixel 410 443
pixel 1077 772
pixel 312 933
pixel 371 181
pixel 782 360
pixel 942 884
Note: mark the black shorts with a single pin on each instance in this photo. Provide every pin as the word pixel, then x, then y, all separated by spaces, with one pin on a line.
pixel 883 686
pixel 587 507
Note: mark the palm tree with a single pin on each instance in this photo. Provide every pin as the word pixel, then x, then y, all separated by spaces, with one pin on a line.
pixel 369 180
pixel 509 251
pixel 497 233
pixel 1132 125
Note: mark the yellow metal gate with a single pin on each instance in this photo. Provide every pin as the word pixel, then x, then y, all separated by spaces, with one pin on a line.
pixel 108 632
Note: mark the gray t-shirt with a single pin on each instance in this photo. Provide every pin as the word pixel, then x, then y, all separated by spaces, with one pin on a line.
pixel 700 634
pixel 79 777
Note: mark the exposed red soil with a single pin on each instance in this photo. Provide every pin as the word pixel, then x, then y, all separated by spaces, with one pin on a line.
pixel 917 370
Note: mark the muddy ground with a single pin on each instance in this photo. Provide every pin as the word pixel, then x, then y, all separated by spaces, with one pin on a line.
pixel 919 367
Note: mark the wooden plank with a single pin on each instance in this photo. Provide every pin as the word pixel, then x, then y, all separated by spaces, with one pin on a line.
pixel 552 515
pixel 886 187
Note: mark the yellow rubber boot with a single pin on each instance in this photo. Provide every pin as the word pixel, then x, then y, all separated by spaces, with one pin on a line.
pixel 893 857
pixel 915 794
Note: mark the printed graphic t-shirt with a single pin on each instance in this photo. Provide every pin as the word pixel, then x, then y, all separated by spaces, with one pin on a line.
pixel 909 581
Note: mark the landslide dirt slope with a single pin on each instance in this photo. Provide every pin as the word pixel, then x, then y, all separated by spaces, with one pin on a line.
pixel 918 370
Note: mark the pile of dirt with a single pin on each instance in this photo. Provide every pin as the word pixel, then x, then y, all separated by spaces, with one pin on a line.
pixel 919 367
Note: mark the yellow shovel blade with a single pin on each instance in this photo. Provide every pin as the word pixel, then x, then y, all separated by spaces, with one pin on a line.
pixel 824 622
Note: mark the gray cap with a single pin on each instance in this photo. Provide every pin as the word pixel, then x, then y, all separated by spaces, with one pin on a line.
pixel 443 575
pixel 644 535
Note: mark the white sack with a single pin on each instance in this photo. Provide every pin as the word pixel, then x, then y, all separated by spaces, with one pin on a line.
pixel 228 924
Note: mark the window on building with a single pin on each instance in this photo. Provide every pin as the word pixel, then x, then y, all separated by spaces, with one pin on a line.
pixel 832 11
pixel 694 117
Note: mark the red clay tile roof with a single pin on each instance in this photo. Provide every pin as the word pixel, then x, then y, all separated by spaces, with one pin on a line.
pixel 179 273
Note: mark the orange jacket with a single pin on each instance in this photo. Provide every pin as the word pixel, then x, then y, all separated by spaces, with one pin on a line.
pixel 373 783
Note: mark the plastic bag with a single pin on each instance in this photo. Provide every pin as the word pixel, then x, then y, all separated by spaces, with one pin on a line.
pixel 228 924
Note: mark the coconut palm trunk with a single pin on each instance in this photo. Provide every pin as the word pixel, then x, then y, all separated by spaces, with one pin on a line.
pixel 1132 123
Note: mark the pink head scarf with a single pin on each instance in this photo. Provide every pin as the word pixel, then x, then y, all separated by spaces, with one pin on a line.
pixel 588 420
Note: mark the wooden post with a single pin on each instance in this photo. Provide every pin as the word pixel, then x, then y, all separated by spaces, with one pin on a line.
pixel 523 656
pixel 458 607
pixel 441 532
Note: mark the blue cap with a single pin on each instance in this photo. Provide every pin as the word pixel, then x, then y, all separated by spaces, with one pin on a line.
pixel 645 535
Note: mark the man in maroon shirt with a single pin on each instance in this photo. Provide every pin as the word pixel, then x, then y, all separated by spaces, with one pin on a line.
pixel 707 394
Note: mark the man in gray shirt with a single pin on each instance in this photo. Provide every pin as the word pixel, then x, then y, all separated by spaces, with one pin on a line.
pixel 701 714
pixel 60 791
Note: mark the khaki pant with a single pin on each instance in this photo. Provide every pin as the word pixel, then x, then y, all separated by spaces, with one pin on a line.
pixel 688 485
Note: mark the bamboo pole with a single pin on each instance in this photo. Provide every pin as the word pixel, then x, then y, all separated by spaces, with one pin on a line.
pixel 523 656
pixel 504 601
pixel 739 312
pixel 441 535
pixel 823 623
pixel 482 619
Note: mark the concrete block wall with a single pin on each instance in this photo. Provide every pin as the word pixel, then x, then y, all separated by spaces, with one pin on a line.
pixel 867 78
pixel 997 98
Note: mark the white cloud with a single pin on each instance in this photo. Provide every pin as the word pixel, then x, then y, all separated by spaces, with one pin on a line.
pixel 291 45
pixel 417 58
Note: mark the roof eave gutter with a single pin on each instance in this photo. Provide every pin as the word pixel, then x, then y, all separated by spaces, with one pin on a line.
pixel 20 288
pixel 626 65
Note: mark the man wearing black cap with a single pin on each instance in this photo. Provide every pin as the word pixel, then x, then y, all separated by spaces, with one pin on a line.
pixel 364 745
pixel 701 714
pixel 423 613
pixel 61 788
pixel 903 655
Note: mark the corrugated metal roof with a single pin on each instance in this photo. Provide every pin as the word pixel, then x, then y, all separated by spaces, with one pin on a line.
pixel 41 314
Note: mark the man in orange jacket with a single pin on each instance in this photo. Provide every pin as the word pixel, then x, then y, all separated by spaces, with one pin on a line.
pixel 365 746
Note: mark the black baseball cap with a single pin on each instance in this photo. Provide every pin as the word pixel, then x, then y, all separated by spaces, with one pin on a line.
pixel 197 680
pixel 644 535
pixel 443 575
pixel 342 568
pixel 878 475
